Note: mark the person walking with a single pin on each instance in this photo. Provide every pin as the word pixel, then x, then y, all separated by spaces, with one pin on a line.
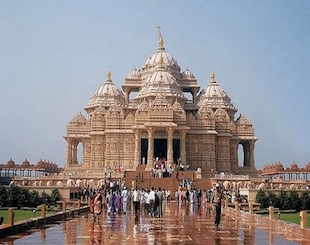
pixel 136 200
pixel 117 202
pixel 97 206
pixel 125 199
pixel 216 200
pixel 160 202
pixel 152 202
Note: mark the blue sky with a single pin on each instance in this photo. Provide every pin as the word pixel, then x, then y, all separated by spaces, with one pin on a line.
pixel 55 54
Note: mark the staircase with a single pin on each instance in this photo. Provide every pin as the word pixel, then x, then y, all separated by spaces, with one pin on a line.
pixel 145 180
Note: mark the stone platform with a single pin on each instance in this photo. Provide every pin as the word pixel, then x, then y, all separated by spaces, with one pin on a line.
pixel 180 224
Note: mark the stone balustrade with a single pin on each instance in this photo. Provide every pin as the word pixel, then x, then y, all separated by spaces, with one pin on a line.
pixel 232 176
pixel 288 230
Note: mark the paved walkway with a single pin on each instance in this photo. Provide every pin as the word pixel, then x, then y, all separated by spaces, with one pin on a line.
pixel 179 225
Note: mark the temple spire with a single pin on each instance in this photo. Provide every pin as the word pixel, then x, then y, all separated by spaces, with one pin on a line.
pixel 212 78
pixel 109 75
pixel 161 40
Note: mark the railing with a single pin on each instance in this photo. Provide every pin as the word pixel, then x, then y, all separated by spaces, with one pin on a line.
pixel 232 176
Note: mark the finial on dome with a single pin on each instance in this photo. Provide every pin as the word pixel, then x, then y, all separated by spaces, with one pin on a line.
pixel 109 75
pixel 161 61
pixel 160 64
pixel 212 78
pixel 161 40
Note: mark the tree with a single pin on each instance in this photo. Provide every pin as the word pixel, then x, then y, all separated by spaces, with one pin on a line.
pixel 283 200
pixel 3 196
pixel 23 197
pixel 34 199
pixel 262 198
pixel 305 201
pixel 13 194
pixel 273 199
pixel 45 198
pixel 55 197
pixel 17 196
pixel 295 202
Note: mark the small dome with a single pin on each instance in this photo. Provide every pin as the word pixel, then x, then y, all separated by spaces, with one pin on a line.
pixel 242 120
pixel 307 167
pixel 11 163
pixel 214 96
pixel 135 73
pixel 294 167
pixel 107 95
pixel 79 119
pixel 279 167
pixel 40 164
pixel 25 163
pixel 187 74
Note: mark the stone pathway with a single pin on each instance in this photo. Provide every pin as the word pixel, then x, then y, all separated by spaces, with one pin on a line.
pixel 180 224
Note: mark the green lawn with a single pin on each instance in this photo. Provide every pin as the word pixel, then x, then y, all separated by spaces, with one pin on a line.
pixel 292 218
pixel 22 214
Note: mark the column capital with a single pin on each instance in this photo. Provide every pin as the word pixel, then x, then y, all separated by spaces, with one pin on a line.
pixel 183 131
pixel 170 129
pixel 137 130
pixel 150 130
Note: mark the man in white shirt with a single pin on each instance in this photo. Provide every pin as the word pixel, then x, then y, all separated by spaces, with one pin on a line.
pixel 152 201
pixel 136 200
pixel 125 199
pixel 147 201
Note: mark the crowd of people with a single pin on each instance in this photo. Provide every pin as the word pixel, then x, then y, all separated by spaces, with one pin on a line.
pixel 162 169
pixel 118 199
pixel 115 198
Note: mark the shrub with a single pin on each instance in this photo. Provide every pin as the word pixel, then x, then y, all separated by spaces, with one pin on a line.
pixel 3 196
pixel 305 201
pixel 262 198
pixel 54 197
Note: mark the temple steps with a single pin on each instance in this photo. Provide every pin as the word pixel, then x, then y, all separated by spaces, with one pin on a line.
pixel 145 180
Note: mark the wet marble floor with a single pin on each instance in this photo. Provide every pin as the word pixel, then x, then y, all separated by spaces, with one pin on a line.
pixel 180 224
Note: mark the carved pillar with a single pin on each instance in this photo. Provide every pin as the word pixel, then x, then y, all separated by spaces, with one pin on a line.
pixel 170 145
pixel 195 91
pixel 183 146
pixel 69 151
pixel 126 90
pixel 251 153
pixel 84 151
pixel 137 160
pixel 246 154
pixel 74 152
pixel 150 151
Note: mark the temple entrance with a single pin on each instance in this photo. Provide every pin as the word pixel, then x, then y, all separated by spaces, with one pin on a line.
pixel 160 148
pixel 144 148
pixel 176 150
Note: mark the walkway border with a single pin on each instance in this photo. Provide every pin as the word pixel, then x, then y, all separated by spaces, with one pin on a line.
pixel 24 225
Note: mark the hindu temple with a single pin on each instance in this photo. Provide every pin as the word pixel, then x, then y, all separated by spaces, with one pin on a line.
pixel 160 113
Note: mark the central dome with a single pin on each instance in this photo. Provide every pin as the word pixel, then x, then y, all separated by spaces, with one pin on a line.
pixel 161 81
pixel 169 62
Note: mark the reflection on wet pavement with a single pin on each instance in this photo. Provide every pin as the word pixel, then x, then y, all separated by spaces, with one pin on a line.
pixel 180 224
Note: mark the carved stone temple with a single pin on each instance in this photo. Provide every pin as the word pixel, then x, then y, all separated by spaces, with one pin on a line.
pixel 160 113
